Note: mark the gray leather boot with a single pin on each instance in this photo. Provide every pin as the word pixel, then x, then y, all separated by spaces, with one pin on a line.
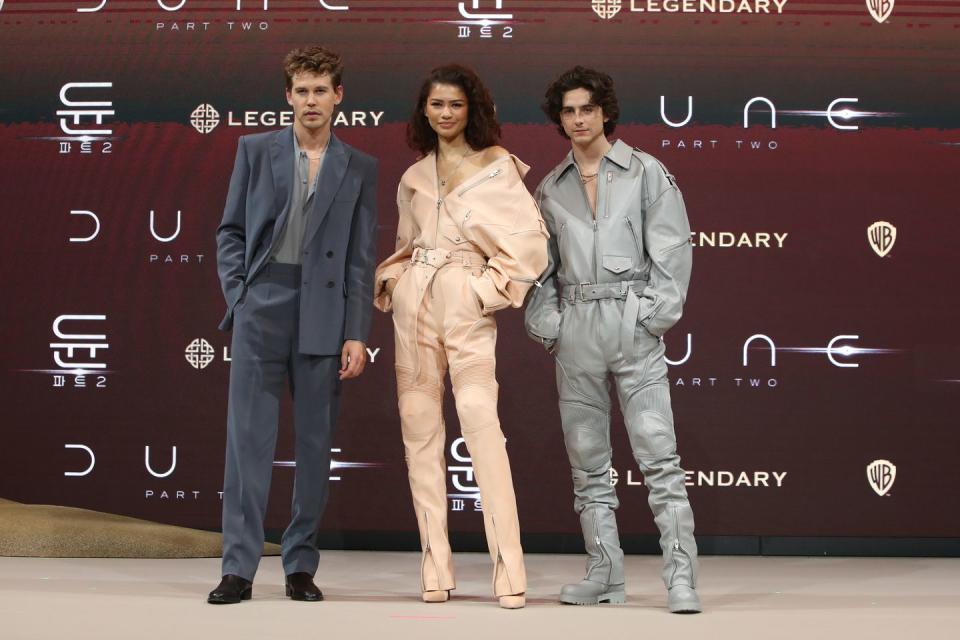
pixel 603 582
pixel 590 592
pixel 586 430
pixel 679 558
pixel 649 419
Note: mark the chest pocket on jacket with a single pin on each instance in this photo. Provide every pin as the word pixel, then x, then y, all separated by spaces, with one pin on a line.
pixel 452 233
pixel 617 264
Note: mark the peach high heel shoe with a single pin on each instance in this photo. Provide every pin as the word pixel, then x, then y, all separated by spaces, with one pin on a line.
pixel 435 596
pixel 516 601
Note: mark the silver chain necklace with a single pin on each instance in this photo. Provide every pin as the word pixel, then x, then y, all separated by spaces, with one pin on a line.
pixel 443 181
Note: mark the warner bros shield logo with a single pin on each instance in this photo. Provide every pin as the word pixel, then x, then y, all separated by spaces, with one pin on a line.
pixel 880 475
pixel 880 9
pixel 881 236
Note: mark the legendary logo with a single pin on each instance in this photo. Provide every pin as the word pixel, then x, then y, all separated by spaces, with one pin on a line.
pixel 881 236
pixel 880 9
pixel 708 6
pixel 739 239
pixel 606 9
pixel 881 475
pixel 714 478
pixel 199 353
pixel 205 118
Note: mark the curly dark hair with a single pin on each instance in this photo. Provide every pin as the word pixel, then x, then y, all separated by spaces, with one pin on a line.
pixel 482 130
pixel 600 86
pixel 316 59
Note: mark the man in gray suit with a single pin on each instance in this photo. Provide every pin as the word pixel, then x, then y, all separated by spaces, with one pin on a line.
pixel 295 255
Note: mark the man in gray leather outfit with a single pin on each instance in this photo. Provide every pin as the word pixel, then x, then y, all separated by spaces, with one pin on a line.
pixel 620 260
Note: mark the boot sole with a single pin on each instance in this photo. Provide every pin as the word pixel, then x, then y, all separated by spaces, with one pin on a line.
pixel 685 611
pixel 611 597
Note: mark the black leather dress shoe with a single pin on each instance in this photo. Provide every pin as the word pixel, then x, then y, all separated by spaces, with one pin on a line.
pixel 300 587
pixel 231 590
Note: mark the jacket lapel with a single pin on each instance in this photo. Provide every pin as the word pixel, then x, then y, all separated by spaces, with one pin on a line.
pixel 331 176
pixel 281 163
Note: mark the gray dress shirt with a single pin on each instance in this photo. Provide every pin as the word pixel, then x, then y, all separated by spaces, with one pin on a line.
pixel 289 246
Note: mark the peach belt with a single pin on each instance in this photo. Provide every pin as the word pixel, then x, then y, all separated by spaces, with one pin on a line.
pixel 439 258
pixel 426 263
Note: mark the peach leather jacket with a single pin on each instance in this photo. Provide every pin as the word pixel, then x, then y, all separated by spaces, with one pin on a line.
pixel 492 213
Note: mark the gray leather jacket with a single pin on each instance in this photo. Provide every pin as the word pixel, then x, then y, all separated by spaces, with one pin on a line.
pixel 640 241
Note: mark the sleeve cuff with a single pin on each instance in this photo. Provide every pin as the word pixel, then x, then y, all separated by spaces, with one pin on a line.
pixel 381 299
pixel 490 298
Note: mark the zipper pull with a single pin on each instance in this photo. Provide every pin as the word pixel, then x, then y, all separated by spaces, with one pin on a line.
pixel 676 545
pixel 598 541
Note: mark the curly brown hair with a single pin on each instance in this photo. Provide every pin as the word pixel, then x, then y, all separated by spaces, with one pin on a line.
pixel 315 59
pixel 482 130
pixel 600 86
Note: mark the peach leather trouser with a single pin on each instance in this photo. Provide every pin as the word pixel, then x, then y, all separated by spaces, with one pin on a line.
pixel 438 324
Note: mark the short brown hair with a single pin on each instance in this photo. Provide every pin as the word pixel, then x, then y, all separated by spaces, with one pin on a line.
pixel 315 59
pixel 482 130
pixel 600 86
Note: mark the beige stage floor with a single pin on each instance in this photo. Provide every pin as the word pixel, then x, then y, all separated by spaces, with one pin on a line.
pixel 373 595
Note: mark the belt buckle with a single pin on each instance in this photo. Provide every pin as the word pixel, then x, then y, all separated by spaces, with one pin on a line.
pixel 579 289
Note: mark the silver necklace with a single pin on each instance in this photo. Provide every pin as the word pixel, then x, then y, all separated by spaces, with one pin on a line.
pixel 443 181
pixel 320 153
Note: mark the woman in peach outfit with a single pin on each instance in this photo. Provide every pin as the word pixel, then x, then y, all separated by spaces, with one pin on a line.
pixel 470 241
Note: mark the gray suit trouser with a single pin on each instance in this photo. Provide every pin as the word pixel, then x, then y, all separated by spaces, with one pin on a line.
pixel 265 352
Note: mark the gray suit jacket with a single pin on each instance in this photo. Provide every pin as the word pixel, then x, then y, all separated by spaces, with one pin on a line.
pixel 339 244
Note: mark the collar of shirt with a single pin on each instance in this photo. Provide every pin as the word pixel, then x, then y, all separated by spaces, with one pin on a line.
pixel 619 153
pixel 302 162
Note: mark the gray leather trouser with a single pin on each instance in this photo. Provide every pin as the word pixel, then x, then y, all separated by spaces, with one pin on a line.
pixel 588 353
